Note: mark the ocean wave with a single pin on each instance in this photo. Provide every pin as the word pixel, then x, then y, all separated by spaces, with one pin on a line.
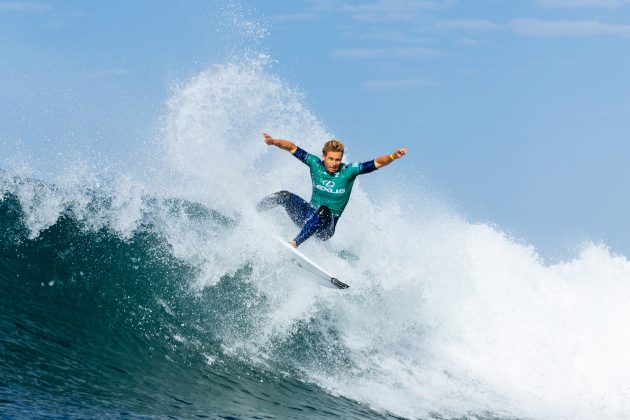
pixel 95 322
pixel 164 289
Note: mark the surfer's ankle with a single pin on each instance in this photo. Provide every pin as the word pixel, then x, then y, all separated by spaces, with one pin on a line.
pixel 294 244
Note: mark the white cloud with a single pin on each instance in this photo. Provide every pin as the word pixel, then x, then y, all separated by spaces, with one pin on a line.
pixel 368 11
pixel 295 17
pixel 23 7
pixel 393 37
pixel 567 28
pixel 368 53
pixel 359 53
pixel 394 84
pixel 389 10
pixel 467 24
pixel 468 42
pixel 583 3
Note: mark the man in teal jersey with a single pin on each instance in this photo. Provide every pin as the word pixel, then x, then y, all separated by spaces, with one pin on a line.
pixel 332 185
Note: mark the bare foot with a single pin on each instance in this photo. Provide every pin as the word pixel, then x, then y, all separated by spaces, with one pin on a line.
pixel 293 244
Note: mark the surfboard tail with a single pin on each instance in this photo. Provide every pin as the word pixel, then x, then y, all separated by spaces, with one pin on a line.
pixel 338 283
pixel 324 278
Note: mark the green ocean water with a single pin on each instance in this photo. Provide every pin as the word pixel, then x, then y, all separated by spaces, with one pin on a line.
pixel 97 325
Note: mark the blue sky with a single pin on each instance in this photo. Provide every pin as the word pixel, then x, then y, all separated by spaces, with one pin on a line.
pixel 515 111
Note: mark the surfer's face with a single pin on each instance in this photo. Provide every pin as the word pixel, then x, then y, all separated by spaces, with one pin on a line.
pixel 332 160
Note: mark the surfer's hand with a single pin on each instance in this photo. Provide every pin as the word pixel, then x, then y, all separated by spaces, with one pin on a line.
pixel 269 140
pixel 400 152
pixel 283 144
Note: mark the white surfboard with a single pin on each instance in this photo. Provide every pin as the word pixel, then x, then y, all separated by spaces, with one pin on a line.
pixel 324 278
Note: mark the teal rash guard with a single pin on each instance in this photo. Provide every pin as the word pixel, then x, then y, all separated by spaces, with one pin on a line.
pixel 332 190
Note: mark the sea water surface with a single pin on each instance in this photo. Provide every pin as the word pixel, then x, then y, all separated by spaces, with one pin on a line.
pixel 157 292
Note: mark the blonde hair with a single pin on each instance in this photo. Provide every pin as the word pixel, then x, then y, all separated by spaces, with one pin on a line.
pixel 333 145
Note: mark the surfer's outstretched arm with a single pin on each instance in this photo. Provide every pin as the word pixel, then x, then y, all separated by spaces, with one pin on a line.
pixel 385 160
pixel 287 145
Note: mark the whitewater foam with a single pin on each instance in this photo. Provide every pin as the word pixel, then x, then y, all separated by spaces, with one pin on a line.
pixel 446 315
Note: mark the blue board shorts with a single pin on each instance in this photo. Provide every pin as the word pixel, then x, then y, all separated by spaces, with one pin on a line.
pixel 312 221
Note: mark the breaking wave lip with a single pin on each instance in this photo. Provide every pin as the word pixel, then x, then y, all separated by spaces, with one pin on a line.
pixel 444 317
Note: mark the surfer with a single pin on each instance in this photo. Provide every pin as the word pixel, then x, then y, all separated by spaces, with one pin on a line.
pixel 332 185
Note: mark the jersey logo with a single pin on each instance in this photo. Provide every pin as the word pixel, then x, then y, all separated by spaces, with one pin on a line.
pixel 329 186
